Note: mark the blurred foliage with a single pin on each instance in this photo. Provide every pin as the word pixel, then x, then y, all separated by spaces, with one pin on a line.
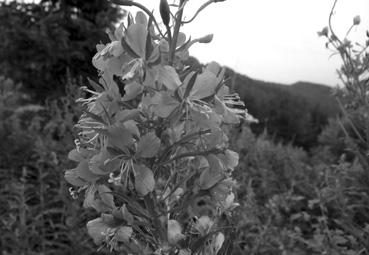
pixel 291 204
pixel 43 39
pixel 38 216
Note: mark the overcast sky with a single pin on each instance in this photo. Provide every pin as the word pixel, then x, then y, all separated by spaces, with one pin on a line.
pixel 273 40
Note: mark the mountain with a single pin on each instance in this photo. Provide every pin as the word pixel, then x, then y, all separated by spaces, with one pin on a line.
pixel 316 94
pixel 294 113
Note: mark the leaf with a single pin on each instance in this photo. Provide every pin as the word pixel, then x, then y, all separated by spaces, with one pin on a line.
pixel 168 76
pixel 144 180
pixel 174 232
pixel 132 90
pixel 148 146
pixel 136 38
pixel 124 234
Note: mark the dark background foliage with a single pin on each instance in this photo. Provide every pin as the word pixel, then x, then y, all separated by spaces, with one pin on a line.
pixel 302 186
pixel 41 41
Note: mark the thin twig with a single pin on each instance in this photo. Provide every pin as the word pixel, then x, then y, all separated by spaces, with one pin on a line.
pixel 138 5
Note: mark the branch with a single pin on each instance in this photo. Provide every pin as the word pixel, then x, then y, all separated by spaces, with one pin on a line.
pixel 138 5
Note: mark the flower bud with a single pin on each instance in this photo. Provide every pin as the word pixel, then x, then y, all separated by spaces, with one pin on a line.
pixel 206 39
pixel 324 32
pixel 357 20
pixel 165 12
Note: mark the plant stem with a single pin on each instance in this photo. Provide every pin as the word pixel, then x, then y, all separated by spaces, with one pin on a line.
pixel 178 22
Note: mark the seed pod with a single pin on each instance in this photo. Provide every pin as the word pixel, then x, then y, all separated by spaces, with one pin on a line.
pixel 165 12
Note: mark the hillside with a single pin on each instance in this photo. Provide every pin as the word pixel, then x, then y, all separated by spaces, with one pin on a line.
pixel 294 113
pixel 316 94
pixel 291 113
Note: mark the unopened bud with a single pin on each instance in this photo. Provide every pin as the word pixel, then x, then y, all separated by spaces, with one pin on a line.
pixel 165 12
pixel 324 32
pixel 206 39
pixel 357 20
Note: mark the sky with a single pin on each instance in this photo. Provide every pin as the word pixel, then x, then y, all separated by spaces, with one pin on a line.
pixel 273 40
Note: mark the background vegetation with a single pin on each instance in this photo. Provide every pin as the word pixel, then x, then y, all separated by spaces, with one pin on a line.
pixel 303 180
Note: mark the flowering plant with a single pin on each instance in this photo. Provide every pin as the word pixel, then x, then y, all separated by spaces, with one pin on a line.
pixel 152 156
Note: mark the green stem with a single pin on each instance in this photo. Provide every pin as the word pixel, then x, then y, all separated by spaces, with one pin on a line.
pixel 177 26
